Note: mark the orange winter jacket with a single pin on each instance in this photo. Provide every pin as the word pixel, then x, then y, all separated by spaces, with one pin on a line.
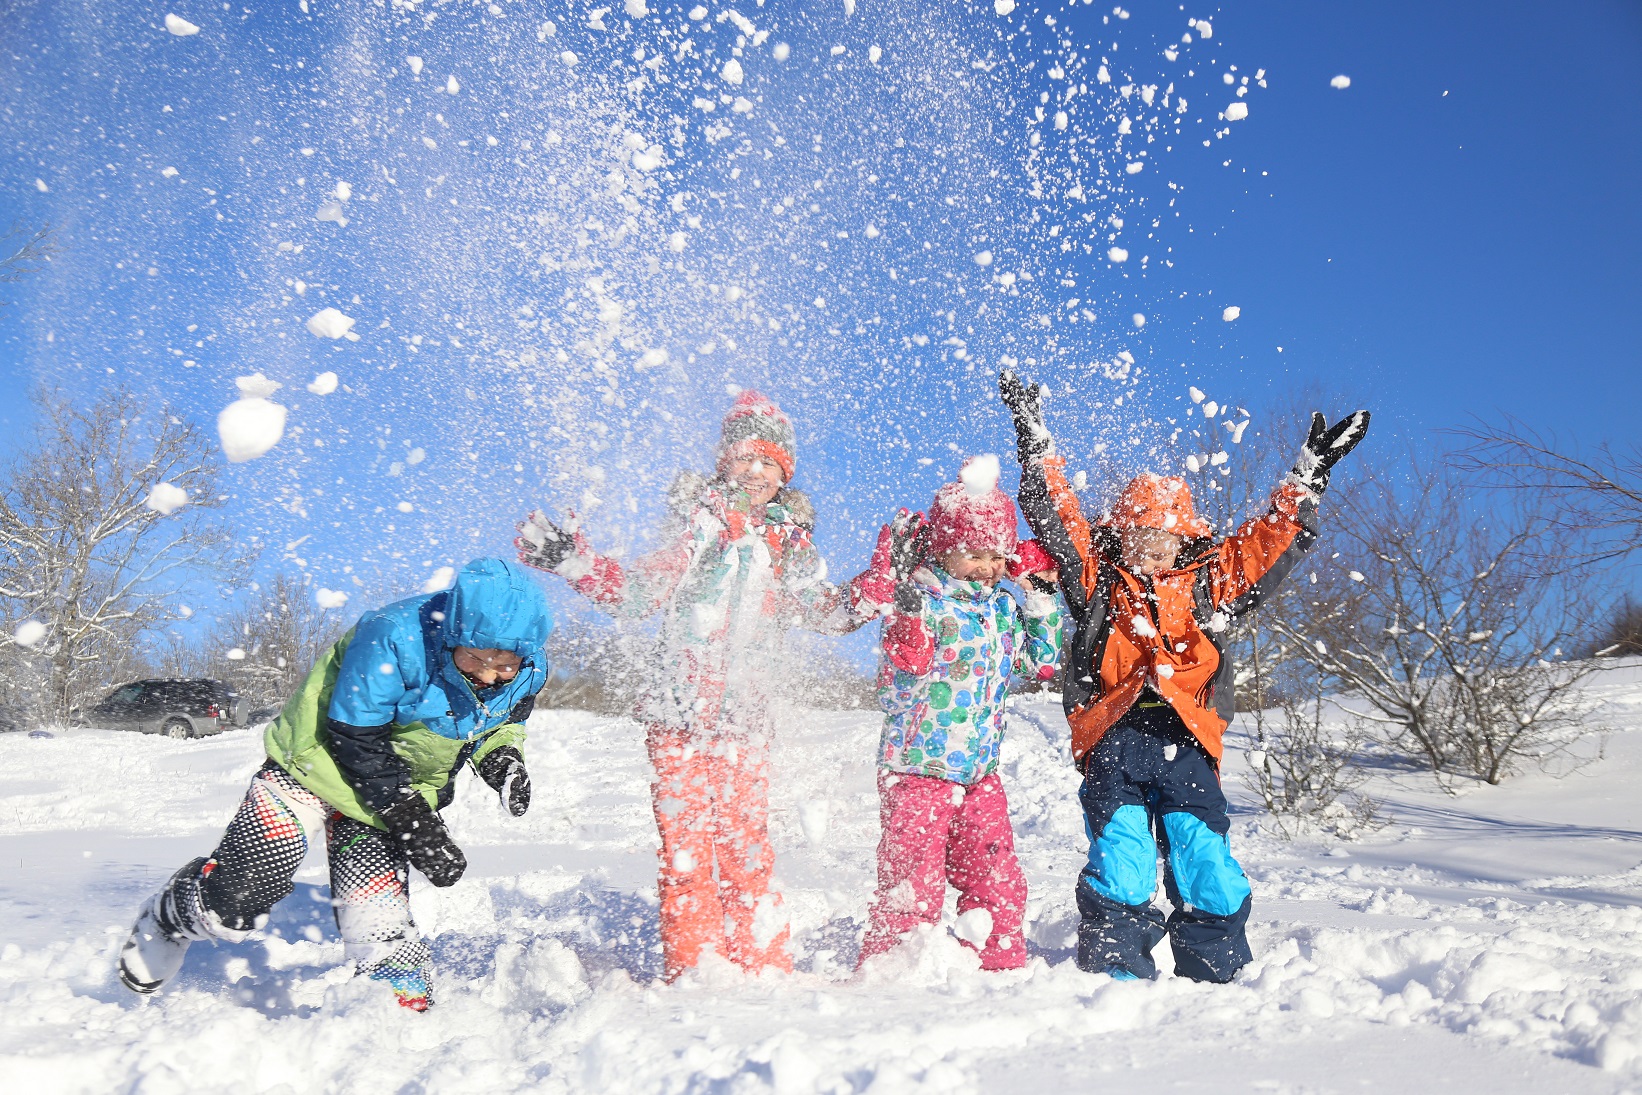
pixel 1165 633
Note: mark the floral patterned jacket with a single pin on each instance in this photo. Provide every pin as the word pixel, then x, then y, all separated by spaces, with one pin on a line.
pixel 946 671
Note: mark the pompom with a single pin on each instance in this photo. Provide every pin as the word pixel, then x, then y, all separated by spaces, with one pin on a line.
pixel 980 474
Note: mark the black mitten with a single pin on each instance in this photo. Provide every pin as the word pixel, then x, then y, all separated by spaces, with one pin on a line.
pixel 427 844
pixel 1324 447
pixel 504 770
pixel 541 543
pixel 1025 403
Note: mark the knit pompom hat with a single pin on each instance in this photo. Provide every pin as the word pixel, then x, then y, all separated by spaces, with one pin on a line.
pixel 756 426
pixel 1162 502
pixel 973 514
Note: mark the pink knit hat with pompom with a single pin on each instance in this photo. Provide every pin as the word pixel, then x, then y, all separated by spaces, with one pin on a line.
pixel 973 514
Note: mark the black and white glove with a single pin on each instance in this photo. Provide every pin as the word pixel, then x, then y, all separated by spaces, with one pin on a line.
pixel 541 543
pixel 1025 402
pixel 504 770
pixel 909 537
pixel 1324 447
pixel 427 843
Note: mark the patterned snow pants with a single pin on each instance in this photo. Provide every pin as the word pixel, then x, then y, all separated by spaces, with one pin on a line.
pixel 712 803
pixel 1148 787
pixel 937 832
pixel 231 893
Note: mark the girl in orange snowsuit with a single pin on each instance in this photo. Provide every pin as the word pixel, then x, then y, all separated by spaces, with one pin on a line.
pixel 738 570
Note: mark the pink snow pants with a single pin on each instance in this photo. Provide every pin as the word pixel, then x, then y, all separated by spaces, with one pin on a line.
pixel 938 832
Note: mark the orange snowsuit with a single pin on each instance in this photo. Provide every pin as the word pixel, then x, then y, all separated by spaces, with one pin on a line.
pixel 1162 633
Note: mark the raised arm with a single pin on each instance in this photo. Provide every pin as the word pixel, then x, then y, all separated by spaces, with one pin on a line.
pixel 1254 560
pixel 1047 501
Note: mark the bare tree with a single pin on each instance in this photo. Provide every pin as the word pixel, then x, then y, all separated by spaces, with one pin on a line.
pixel 23 250
pixel 1307 771
pixel 106 516
pixel 1443 627
pixel 1597 495
pixel 267 646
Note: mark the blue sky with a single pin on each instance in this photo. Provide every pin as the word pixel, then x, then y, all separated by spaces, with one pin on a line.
pixel 1453 235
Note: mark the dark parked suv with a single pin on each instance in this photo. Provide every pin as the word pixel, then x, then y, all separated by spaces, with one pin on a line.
pixel 175 708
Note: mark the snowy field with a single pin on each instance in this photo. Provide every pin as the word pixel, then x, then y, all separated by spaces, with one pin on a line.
pixel 1486 943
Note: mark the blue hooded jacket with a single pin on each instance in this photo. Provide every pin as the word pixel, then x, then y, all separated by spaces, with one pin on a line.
pixel 397 671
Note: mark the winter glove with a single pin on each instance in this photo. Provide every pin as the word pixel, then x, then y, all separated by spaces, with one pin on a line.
pixel 799 507
pixel 1033 567
pixel 428 846
pixel 1324 447
pixel 1025 403
pixel 504 770
pixel 899 552
pixel 541 543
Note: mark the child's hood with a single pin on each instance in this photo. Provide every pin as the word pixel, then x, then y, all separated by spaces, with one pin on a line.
pixel 495 605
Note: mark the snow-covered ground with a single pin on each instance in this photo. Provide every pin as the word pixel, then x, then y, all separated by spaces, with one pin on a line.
pixel 1490 942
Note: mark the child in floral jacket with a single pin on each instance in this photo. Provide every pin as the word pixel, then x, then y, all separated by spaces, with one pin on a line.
pixel 951 642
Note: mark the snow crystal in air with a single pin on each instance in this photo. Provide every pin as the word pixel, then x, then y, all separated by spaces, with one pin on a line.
pixel 742 105
pixel 1231 313
pixel 781 52
pixel 871 231
pixel 983 258
pixel 404 507
pixel 980 474
pixel 677 241
pixel 653 358
pixel 1134 167
pixel 1202 26
pixel 1118 254
pixel 40 185
pixel 874 53
pixel 568 59
pixel 416 456
pixel 1196 394
pixel 251 425
pixel 648 159
pixel 635 9
pixel 452 87
pixel 237 654
pixel 1139 319
pixel 1003 7
pixel 323 384
pixel 415 64
pixel 1342 82
pixel 1356 576
pixel 330 323
pixel 179 26
pixel 166 498
pixel 29 633
pixel 169 172
pixel 1236 112
pixel 732 71
pixel 330 598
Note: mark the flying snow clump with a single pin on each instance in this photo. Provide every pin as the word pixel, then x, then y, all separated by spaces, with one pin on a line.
pixel 1003 7
pixel 443 578
pixel 330 598
pixel 1236 112
pixel 29 633
pixel 166 498
pixel 635 9
pixel 732 71
pixel 1139 319
pixel 1340 82
pixel 980 474
pixel 415 64
pixel 330 323
pixel 452 87
pixel 251 425
pixel 179 26
pixel 1231 313
pixel 1118 254
pixel 983 258
pixel 323 384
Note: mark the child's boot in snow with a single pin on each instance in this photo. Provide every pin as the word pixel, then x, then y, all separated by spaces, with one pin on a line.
pixel 154 950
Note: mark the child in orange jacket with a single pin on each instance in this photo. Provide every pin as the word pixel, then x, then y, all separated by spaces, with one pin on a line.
pixel 1147 696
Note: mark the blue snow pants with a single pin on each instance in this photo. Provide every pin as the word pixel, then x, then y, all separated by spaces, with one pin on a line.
pixel 1149 788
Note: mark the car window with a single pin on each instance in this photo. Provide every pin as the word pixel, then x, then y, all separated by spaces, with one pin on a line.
pixel 125 694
